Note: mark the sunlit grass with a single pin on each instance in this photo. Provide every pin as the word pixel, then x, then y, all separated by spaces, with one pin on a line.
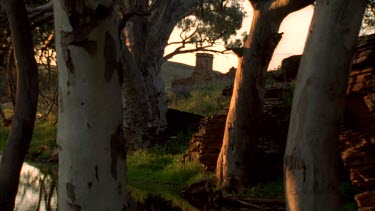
pixel 204 100
pixel 156 167
pixel 163 174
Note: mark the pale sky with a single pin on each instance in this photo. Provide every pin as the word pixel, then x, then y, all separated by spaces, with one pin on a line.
pixel 295 28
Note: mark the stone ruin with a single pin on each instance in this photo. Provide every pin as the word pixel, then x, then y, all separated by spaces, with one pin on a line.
pixel 203 66
pixel 202 73
pixel 357 139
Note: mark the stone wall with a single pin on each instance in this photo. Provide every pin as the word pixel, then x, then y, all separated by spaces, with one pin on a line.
pixel 357 142
pixel 203 73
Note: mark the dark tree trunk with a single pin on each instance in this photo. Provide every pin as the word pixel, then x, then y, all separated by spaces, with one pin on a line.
pixel 10 76
pixel 2 115
pixel 27 96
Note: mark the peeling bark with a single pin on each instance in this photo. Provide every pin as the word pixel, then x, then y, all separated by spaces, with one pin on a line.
pixel 310 162
pixel 92 159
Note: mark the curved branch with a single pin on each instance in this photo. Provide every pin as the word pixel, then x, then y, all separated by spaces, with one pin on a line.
pixel 204 48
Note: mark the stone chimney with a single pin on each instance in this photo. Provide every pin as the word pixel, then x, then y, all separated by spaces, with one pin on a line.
pixel 204 62
pixel 203 68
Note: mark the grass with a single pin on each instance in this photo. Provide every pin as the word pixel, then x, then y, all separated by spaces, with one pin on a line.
pixel 275 190
pixel 43 141
pixel 204 100
pixel 163 174
pixel 163 171
pixel 272 190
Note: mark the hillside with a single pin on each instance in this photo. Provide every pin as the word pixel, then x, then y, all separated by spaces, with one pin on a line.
pixel 174 70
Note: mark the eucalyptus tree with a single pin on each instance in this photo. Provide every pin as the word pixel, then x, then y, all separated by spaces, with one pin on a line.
pixel 310 161
pixel 147 28
pixel 236 166
pixel 92 160
pixel 27 97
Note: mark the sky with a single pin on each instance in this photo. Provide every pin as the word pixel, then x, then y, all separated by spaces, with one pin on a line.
pixel 295 29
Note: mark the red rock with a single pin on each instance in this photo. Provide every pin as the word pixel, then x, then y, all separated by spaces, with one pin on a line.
pixel 366 199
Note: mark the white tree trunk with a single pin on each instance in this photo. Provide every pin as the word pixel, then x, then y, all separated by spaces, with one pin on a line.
pixel 144 95
pixel 310 161
pixel 92 167
pixel 237 167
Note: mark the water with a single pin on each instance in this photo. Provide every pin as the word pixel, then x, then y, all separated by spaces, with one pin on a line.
pixel 37 191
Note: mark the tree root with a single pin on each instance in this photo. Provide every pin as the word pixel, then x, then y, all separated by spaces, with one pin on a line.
pixel 203 195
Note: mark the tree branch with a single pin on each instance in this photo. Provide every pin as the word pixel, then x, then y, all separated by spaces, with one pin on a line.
pixel 285 7
pixel 203 48
pixel 40 14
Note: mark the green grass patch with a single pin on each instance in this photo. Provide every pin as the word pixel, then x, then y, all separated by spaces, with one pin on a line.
pixel 162 168
pixel 272 190
pixel 43 141
pixel 163 174
pixel 204 100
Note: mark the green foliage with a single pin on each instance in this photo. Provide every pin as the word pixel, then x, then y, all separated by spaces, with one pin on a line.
pixel 43 141
pixel 273 189
pixel 347 193
pixel 162 168
pixel 350 206
pixel 369 16
pixel 204 100
pixel 150 169
pixel 287 96
pixel 212 20
pixel 3 137
pixel 179 143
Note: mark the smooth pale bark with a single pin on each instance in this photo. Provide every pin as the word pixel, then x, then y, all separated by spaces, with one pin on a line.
pixel 144 96
pixel 236 166
pixel 26 97
pixel 310 161
pixel 92 157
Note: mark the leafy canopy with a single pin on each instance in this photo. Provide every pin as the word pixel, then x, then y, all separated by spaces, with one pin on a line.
pixel 212 20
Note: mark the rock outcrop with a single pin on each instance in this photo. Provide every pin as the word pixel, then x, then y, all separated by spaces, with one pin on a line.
pixel 289 66
pixel 357 142
pixel 205 145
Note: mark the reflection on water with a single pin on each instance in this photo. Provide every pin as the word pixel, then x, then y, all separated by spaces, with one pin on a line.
pixel 37 191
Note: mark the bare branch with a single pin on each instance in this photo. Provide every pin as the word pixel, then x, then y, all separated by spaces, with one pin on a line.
pixel 203 48
pixel 126 16
pixel 49 41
